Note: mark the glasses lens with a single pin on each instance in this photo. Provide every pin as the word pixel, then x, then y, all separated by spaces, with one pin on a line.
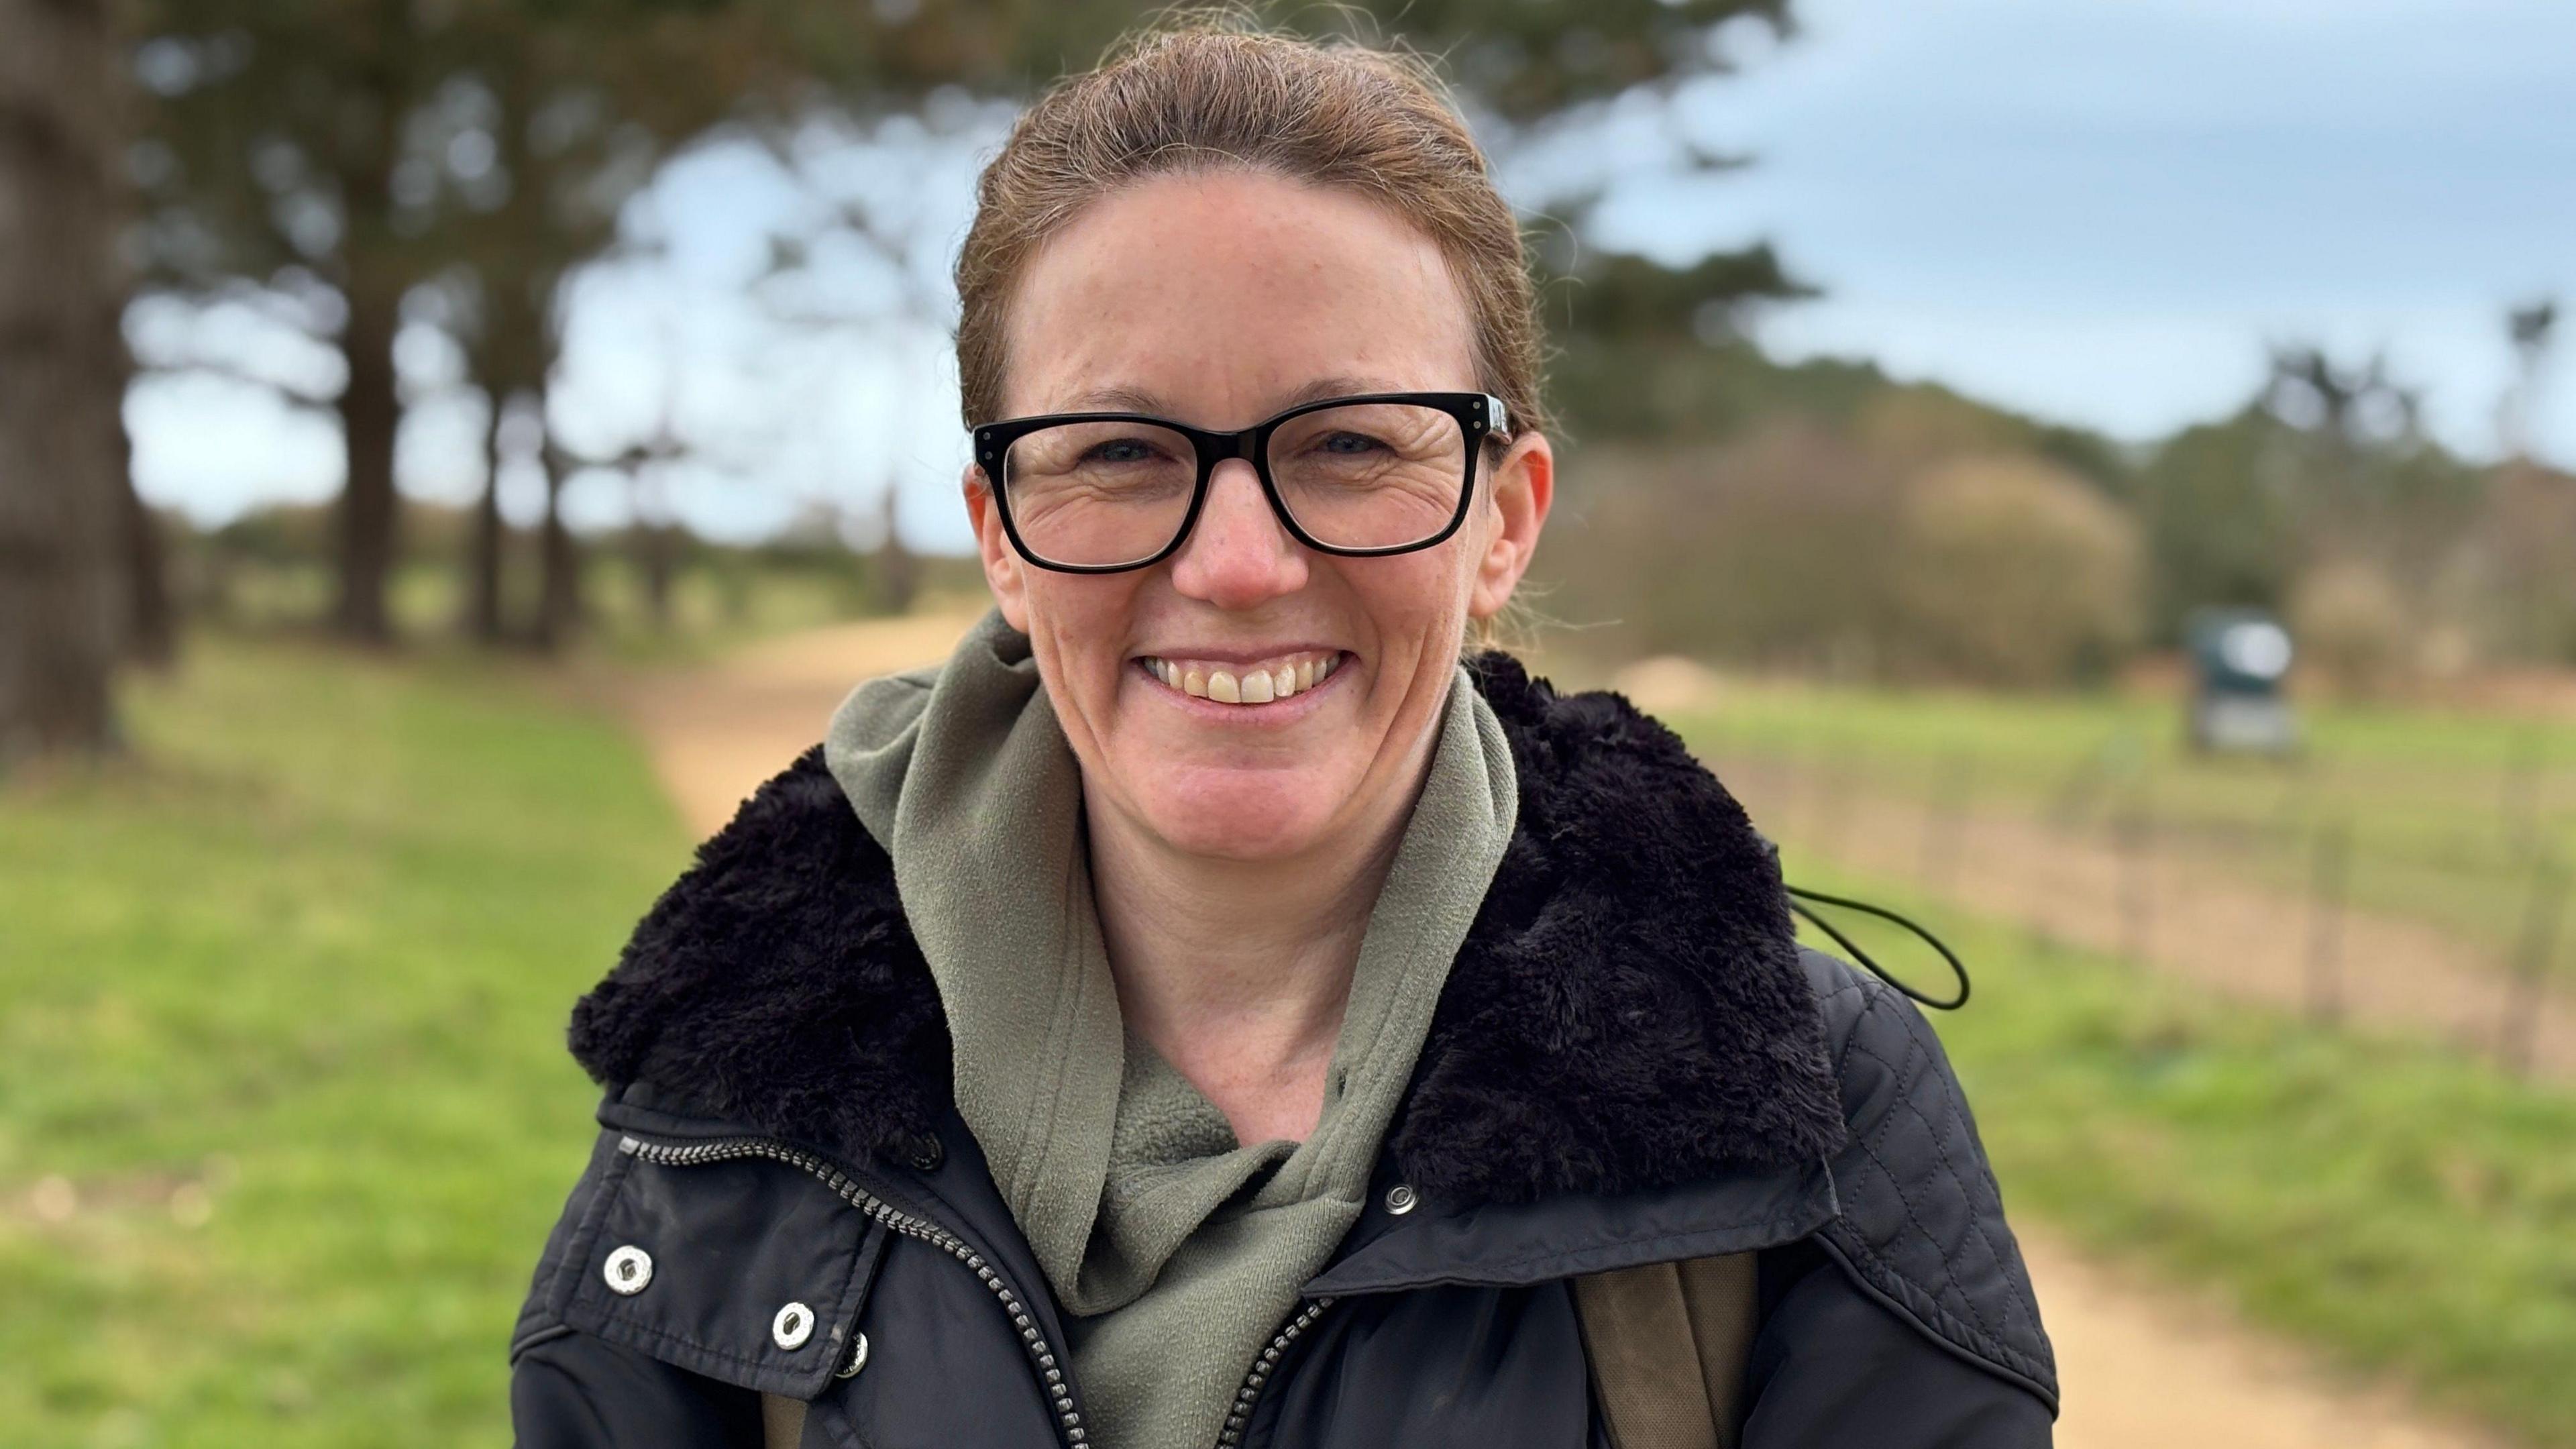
pixel 1099 493
pixel 1370 475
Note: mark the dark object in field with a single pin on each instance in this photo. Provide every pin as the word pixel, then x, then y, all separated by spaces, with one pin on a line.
pixel 2239 659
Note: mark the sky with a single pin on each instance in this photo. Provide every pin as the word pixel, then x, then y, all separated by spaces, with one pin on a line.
pixel 2101 211
pixel 2097 212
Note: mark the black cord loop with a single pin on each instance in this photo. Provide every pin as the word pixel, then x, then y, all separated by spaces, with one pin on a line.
pixel 1957 967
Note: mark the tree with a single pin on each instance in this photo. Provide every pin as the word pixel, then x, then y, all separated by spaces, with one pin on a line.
pixel 2013 572
pixel 2346 412
pixel 273 136
pixel 2530 528
pixel 298 137
pixel 2220 508
pixel 2368 483
pixel 2532 329
pixel 293 138
pixel 62 452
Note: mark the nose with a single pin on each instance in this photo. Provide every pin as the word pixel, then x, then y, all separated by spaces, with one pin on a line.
pixel 1237 555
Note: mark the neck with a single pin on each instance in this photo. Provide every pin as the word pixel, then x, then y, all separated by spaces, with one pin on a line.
pixel 1238 972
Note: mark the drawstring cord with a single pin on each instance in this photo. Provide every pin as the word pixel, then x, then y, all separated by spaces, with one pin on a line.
pixel 1957 967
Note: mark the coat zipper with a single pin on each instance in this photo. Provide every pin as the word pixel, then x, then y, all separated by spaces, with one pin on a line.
pixel 1042 1357
pixel 1250 1393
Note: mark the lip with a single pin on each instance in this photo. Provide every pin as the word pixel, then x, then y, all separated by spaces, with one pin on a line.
pixel 1238 656
pixel 1278 712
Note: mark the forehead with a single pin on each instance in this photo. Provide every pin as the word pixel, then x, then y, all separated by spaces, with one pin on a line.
pixel 1219 298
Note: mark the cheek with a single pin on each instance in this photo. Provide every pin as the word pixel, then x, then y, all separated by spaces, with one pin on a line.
pixel 1079 627
pixel 1416 603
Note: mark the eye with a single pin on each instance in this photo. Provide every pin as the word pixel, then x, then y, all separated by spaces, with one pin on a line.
pixel 1120 450
pixel 1349 442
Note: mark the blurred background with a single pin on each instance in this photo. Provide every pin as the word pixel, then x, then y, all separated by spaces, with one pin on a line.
pixel 2097 477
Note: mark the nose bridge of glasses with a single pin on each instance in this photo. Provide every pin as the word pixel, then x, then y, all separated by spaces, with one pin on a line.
pixel 1249 493
pixel 1250 505
pixel 1216 448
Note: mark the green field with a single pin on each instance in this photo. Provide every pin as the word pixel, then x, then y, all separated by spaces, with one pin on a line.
pixel 284 1011
pixel 285 1001
pixel 2404 1207
pixel 2447 812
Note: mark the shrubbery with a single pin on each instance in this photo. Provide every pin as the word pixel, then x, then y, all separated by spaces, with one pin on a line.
pixel 1802 549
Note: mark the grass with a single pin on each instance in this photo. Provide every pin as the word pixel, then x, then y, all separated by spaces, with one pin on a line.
pixel 284 1110
pixel 284 1113
pixel 2403 1206
pixel 2446 810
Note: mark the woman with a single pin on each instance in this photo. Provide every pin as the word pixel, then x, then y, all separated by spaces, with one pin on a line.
pixel 1204 1011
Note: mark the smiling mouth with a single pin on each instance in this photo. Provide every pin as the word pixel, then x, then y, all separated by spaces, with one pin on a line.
pixel 1259 682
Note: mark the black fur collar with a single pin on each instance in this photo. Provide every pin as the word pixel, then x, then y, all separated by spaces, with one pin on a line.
pixel 1628 1010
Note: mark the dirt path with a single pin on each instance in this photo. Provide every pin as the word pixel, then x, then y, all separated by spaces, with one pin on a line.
pixel 2143 1367
pixel 716 733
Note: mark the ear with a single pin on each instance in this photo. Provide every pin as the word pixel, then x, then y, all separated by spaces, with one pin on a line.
pixel 1524 486
pixel 1001 562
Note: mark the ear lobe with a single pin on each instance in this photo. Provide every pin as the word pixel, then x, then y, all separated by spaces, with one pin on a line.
pixel 1524 487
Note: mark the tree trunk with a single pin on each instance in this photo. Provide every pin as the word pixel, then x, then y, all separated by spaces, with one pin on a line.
pixel 373 277
pixel 369 413
pixel 559 605
pixel 151 624
pixel 61 145
pixel 659 543
pixel 483 581
pixel 898 573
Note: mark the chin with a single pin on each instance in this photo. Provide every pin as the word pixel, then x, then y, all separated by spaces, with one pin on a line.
pixel 1241 813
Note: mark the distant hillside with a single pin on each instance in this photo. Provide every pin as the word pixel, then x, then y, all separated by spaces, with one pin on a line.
pixel 1823 515
pixel 1679 391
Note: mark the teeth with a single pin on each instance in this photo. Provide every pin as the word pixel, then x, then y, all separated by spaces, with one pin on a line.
pixel 1234 684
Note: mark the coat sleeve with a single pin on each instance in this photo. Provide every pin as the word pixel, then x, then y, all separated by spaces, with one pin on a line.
pixel 1908 1320
pixel 575 1390
pixel 1832 1366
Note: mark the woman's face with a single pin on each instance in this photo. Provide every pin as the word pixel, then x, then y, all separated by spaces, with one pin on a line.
pixel 1218 300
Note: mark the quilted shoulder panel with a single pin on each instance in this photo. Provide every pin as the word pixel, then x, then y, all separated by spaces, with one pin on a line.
pixel 1922 1223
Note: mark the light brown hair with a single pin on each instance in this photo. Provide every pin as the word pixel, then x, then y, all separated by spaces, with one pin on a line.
pixel 1208 93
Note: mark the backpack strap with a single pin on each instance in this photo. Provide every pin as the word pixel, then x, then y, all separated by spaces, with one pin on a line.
pixel 1667 1344
pixel 782 1421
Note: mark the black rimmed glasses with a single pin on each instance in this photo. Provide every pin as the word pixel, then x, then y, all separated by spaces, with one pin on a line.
pixel 1380 473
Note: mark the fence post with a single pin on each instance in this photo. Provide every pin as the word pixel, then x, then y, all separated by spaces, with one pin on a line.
pixel 2132 833
pixel 1788 786
pixel 2329 881
pixel 2517 1035
pixel 2518 802
pixel 1945 824
pixel 1833 799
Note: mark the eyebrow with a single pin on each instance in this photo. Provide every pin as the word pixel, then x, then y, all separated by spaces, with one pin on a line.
pixel 1140 400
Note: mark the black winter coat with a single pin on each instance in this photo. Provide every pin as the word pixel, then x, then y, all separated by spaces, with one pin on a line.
pixel 1632 1062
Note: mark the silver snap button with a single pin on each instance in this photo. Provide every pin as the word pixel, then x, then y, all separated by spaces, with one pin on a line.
pixel 858 1359
pixel 1400 1199
pixel 793 1325
pixel 628 1270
